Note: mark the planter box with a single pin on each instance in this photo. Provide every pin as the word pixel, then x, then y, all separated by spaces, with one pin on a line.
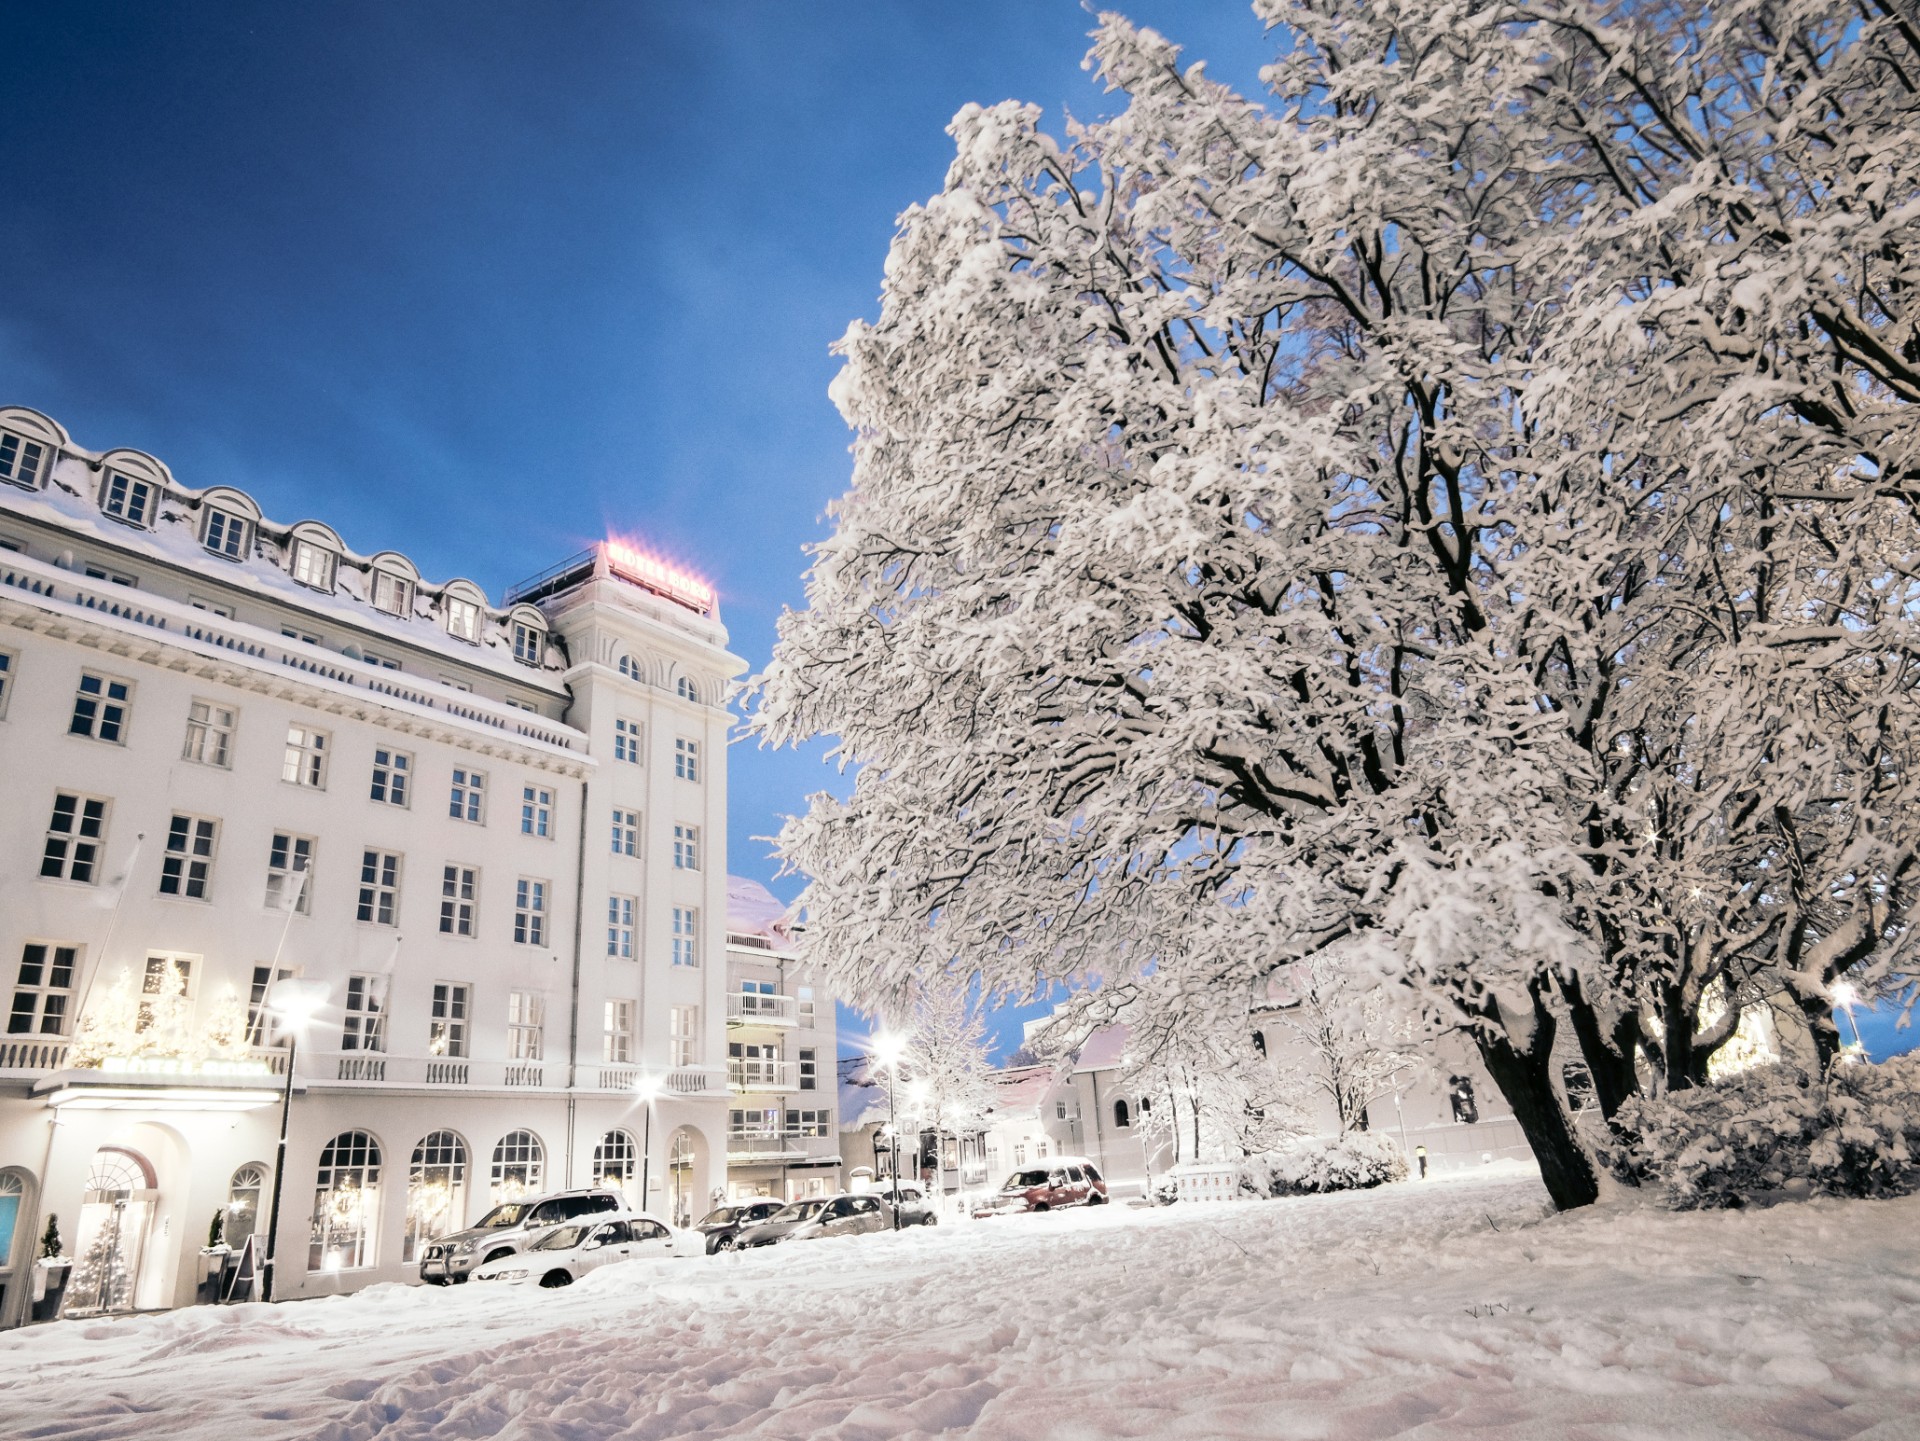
pixel 49 1287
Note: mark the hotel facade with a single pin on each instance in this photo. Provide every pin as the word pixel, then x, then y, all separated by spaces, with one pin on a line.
pixel 234 750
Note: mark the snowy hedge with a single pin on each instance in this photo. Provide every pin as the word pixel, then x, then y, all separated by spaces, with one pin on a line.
pixel 1776 1129
pixel 1352 1162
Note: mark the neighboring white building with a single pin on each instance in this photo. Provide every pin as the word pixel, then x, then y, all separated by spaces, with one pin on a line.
pixel 233 749
pixel 783 1129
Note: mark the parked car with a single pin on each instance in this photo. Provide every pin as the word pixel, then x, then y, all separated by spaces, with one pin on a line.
pixel 810 1220
pixel 723 1223
pixel 573 1248
pixel 510 1228
pixel 1047 1186
pixel 915 1209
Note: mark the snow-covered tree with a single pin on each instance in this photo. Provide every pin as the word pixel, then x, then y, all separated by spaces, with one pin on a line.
pixel 943 1079
pixel 1356 1050
pixel 1349 522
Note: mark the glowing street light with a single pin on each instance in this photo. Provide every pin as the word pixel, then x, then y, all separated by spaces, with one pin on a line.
pixel 1846 996
pixel 295 1002
pixel 886 1050
pixel 647 1088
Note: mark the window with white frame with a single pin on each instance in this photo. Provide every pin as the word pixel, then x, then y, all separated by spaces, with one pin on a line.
pixel 803 1004
pixel 527 643
pixel 43 990
pixel 211 607
pixel 519 1166
pixel 226 533
pixel 626 740
pixel 306 637
pixel 186 869
pixel 209 733
pixel 616 1160
pixel 262 1028
pixel 22 461
pixel 447 1022
pixel 686 936
pixel 383 661
pixel 687 690
pixel 626 832
pixel 463 619
pixel 390 771
pixel 808 1122
pixel 75 836
pixel 468 798
pixel 314 565
pixel 754 1121
pixel 379 902
pixel 130 499
pixel 6 680
pixel 686 758
pixel 686 848
pixel 289 868
pixel 629 667
pixel 392 593
pixel 459 894
pixel 526 1014
pixel 617 1040
pixel 536 811
pixel 364 1027
pixel 436 1191
pixel 620 911
pixel 92 570
pixel 683 1035
pixel 530 912
pixel 101 707
pixel 809 1069
pixel 165 989
pixel 346 1204
pixel 305 763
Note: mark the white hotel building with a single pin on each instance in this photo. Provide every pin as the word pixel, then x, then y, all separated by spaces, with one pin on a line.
pixel 233 749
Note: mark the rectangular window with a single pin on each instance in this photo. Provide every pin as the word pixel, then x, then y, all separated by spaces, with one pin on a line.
pixel 100 708
pixel 211 607
pixel 390 769
pixel 526 643
pixel 21 460
pixel 459 888
pixel 807 1123
pixel 6 680
pixel 469 792
pixel 536 811
pixel 365 1024
pixel 209 733
pixel 809 1069
pixel 463 619
pixel 456 683
pixel 626 741
pixel 43 995
pixel 626 833
pixel 617 1045
pixel 292 634
pixel 306 758
pixel 126 498
pixel 686 848
pixel 382 661
pixel 262 1026
pixel 379 887
pixel 187 867
pixel 314 565
pixel 447 1027
pixel 392 593
pixel 75 836
pixel 525 1010
pixel 686 758
pixel 620 927
pixel 226 533
pixel 530 912
pixel 94 571
pixel 803 1004
pixel 165 987
pixel 683 1023
pixel 289 863
pixel 686 936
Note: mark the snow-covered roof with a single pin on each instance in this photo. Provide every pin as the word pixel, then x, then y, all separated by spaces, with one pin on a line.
pixel 753 910
pixel 1104 1050
pixel 861 1102
pixel 1023 1088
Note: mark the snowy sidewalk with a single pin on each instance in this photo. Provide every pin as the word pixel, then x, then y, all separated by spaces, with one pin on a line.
pixel 1396 1313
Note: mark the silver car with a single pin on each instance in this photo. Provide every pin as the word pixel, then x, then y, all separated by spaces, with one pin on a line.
pixel 810 1220
pixel 570 1251
pixel 507 1229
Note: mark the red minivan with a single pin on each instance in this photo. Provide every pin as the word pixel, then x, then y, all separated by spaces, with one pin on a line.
pixel 1047 1186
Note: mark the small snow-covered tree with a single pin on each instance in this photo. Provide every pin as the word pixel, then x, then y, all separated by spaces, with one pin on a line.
pixel 1356 1049
pixel 944 1079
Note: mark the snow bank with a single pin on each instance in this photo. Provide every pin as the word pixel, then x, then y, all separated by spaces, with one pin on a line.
pixel 1315 1164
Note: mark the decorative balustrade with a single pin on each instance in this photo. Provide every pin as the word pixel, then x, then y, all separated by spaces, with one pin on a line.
pixel 37 1054
pixel 770 1146
pixel 746 1008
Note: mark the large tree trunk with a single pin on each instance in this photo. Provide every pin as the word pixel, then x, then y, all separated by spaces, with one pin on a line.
pixel 1609 1054
pixel 1525 1078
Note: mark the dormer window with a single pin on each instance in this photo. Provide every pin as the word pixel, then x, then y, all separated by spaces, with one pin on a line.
pixel 687 690
pixel 226 533
pixel 527 643
pixel 314 565
pixel 22 461
pixel 129 499
pixel 392 593
pixel 463 619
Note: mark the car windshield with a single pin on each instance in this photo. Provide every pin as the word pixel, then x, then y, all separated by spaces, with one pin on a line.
pixel 798 1211
pixel 1023 1179
pixel 718 1216
pixel 564 1239
pixel 501 1217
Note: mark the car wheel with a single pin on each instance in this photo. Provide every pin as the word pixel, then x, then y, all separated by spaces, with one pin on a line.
pixel 556 1278
pixel 725 1243
pixel 931 1221
pixel 1094 1198
pixel 1041 1206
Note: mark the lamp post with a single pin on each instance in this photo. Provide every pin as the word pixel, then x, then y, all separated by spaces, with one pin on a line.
pixel 886 1053
pixel 295 1002
pixel 647 1088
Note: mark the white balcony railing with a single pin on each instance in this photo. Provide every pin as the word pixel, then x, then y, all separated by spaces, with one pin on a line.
pixel 744 1008
pixel 33 1053
pixel 756 1074
pixel 770 1146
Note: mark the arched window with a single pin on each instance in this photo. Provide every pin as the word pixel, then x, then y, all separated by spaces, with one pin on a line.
pixel 436 1190
pixel 629 667
pixel 346 1203
pixel 13 1196
pixel 1122 1117
pixel 687 689
pixel 1145 1105
pixel 518 1162
pixel 243 1205
pixel 616 1162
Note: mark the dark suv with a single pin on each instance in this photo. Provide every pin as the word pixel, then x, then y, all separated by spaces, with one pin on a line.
pixel 723 1224
pixel 507 1229
pixel 1047 1186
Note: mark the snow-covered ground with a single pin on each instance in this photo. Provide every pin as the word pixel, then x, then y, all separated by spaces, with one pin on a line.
pixel 1448 1309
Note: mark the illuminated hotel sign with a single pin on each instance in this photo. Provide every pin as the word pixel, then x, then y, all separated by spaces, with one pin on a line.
pixel 184 1066
pixel 643 570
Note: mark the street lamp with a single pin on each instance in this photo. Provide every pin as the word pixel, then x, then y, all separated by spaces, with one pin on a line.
pixel 295 1002
pixel 647 1088
pixel 1845 995
pixel 886 1051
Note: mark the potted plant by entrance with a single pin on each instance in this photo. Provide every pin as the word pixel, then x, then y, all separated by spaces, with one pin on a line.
pixel 50 1273
pixel 213 1260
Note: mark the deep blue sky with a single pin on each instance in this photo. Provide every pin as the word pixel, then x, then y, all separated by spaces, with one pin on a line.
pixel 479 282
